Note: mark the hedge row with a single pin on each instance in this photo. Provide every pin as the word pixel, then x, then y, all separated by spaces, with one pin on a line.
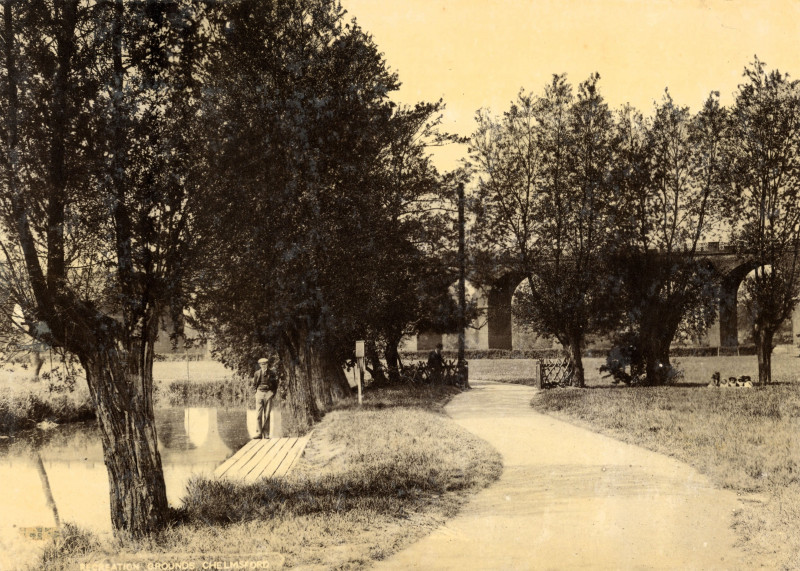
pixel 470 354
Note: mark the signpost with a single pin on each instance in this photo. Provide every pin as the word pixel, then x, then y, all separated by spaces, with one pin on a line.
pixel 360 355
pixel 462 372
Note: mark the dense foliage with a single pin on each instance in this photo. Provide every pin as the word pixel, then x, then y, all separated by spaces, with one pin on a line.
pixel 545 206
pixel 323 219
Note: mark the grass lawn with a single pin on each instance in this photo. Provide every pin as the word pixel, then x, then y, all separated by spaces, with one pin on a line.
pixel 697 370
pixel 373 479
pixel 747 440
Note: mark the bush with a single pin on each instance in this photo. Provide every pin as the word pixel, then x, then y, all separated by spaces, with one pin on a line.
pixel 74 542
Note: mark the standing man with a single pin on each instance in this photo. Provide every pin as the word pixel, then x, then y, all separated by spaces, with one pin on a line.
pixel 265 382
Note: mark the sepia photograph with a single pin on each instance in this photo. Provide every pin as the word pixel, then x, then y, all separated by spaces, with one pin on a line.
pixel 498 285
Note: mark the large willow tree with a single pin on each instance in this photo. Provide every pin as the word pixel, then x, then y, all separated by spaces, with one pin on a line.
pixel 763 199
pixel 97 107
pixel 669 170
pixel 308 208
pixel 546 205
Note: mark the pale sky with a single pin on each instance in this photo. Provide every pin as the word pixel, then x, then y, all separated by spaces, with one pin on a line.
pixel 479 53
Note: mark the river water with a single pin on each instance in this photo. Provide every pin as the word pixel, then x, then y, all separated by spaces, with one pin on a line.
pixel 191 441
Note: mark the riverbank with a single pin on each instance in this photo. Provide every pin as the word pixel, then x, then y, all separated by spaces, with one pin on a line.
pixel 373 480
pixel 25 404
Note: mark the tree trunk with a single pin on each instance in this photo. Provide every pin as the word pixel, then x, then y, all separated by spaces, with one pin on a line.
pixel 48 491
pixel 763 338
pixel 36 364
pixel 576 353
pixel 300 410
pixel 658 329
pixel 656 355
pixel 378 372
pixel 122 395
pixel 315 380
pixel 392 357
pixel 328 379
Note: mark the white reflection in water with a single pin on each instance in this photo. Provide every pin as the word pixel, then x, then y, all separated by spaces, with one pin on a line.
pixel 191 441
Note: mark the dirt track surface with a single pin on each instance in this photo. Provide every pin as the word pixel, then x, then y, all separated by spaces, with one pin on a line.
pixel 572 499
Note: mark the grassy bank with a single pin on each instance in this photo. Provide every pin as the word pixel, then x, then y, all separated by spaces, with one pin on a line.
pixel 743 439
pixel 373 479
pixel 230 392
pixel 24 404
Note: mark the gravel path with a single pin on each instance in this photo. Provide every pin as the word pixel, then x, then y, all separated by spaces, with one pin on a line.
pixel 572 499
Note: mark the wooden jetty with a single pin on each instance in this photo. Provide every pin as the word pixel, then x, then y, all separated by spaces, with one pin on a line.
pixel 263 458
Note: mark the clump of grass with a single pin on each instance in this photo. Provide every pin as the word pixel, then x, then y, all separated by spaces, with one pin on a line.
pixel 386 460
pixel 373 479
pixel 743 439
pixel 74 542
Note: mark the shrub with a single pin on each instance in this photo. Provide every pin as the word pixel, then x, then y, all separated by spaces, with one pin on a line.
pixel 74 542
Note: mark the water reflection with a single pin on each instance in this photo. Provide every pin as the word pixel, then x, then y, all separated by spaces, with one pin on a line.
pixel 191 441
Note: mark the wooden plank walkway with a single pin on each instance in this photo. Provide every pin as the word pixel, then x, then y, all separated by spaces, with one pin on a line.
pixel 263 458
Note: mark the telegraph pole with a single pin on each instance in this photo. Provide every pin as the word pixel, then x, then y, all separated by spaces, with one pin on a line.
pixel 463 371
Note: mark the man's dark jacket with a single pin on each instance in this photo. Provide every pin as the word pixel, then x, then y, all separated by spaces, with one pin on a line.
pixel 266 380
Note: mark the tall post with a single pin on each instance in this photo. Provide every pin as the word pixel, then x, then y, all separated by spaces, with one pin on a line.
pixel 463 373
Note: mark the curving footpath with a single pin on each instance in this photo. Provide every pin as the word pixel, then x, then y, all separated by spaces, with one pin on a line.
pixel 572 499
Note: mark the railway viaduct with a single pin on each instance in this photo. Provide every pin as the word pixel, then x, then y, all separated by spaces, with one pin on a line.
pixel 495 328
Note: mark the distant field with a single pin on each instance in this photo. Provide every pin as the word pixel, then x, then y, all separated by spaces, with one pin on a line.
pixel 697 370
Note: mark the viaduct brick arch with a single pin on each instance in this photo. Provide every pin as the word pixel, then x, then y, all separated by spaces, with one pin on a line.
pixel 495 330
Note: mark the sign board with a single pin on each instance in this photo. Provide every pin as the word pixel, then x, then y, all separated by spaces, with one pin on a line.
pixel 359 349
